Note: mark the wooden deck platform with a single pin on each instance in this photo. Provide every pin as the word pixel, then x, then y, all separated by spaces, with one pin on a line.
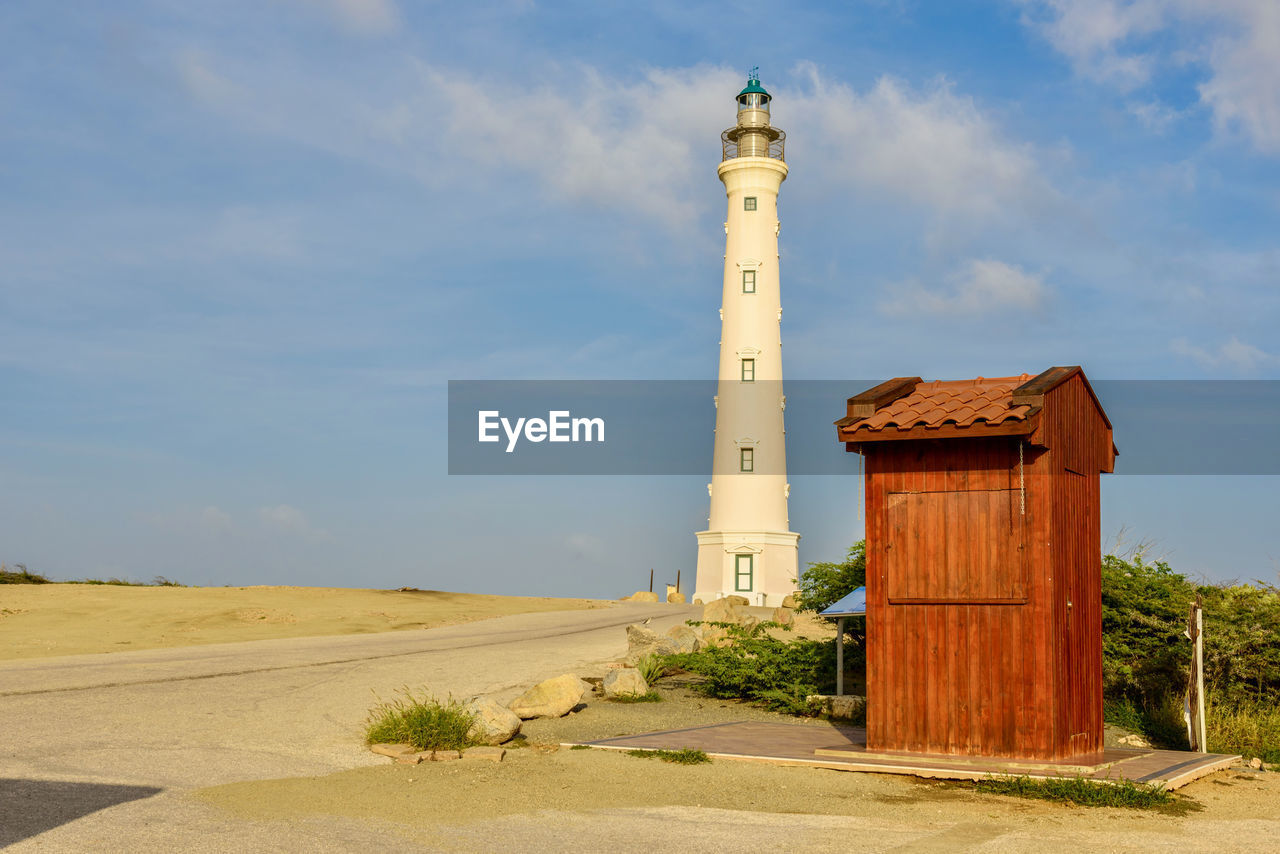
pixel 845 749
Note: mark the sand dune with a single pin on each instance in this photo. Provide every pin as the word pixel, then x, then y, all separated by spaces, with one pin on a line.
pixel 69 619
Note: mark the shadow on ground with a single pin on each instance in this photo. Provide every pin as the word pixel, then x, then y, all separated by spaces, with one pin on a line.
pixel 28 807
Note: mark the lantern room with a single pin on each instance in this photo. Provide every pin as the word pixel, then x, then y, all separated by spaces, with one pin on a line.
pixel 984 611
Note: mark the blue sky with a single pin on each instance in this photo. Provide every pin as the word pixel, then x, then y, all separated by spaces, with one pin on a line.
pixel 244 246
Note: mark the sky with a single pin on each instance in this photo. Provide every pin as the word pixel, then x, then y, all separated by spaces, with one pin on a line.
pixel 244 246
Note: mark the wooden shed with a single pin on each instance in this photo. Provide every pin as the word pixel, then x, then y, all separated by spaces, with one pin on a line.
pixel 984 612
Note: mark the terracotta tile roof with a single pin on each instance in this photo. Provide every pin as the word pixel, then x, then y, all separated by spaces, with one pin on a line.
pixel 962 403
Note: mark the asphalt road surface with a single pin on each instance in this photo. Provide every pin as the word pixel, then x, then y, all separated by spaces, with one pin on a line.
pixel 97 750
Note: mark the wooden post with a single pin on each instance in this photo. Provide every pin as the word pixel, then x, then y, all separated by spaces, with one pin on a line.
pixel 677 581
pixel 1196 736
pixel 650 580
pixel 840 657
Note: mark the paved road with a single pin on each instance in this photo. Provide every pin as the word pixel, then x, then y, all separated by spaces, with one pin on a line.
pixel 97 749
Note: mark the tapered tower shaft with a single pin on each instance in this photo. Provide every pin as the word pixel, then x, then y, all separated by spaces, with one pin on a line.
pixel 748 548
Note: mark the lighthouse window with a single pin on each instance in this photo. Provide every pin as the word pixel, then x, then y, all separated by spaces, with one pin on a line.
pixel 746 459
pixel 748 281
pixel 749 203
pixel 743 570
pixel 748 370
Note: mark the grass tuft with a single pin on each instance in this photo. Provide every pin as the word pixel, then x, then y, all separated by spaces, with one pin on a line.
pixel 580 747
pixel 646 697
pixel 1080 791
pixel 424 722
pixel 680 757
pixel 1250 729
pixel 652 668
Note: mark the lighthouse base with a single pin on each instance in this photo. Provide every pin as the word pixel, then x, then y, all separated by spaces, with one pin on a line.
pixel 762 566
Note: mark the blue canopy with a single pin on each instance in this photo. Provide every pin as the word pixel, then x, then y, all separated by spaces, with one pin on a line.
pixel 853 605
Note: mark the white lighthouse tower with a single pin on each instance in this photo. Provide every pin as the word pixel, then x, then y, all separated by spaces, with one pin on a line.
pixel 748 549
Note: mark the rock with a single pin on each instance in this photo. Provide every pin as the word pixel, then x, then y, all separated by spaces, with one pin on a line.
pixel 748 621
pixel 445 755
pixel 487 754
pixel 550 699
pixel 1256 764
pixel 641 596
pixel 789 601
pixel 392 750
pixel 784 616
pixel 676 598
pixel 713 636
pixel 1135 740
pixel 625 682
pixel 721 611
pixel 414 758
pixel 641 637
pixel 839 707
pixel 737 600
pixel 847 706
pixel 683 639
pixel 494 722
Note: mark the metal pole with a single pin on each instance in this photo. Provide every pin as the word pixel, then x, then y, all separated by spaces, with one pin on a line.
pixel 840 657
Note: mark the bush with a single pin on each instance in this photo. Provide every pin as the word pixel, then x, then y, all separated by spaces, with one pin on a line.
pixel 776 674
pixel 824 584
pixel 20 575
pixel 652 668
pixel 426 723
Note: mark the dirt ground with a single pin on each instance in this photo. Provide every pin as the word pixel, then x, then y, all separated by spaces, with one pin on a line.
pixel 436 801
pixel 68 619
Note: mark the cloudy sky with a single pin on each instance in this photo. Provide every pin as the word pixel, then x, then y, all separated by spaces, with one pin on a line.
pixel 244 246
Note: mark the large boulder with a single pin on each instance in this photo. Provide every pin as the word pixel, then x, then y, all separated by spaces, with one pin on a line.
pixel 553 698
pixel 641 596
pixel 640 637
pixel 682 639
pixel 675 598
pixel 784 616
pixel 738 600
pixel 494 723
pixel 624 682
pixel 709 635
pixel 722 611
pixel 789 601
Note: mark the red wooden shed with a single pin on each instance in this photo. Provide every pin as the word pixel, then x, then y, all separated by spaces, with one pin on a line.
pixel 984 612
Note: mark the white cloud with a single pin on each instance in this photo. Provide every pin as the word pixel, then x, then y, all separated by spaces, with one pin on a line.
pixel 1237 41
pixel 188 521
pixel 932 147
pixel 1093 33
pixel 1233 354
pixel 585 136
pixel 981 287
pixel 290 520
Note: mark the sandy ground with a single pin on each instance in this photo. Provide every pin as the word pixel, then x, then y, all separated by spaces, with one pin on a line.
pixel 68 619
pixel 453 806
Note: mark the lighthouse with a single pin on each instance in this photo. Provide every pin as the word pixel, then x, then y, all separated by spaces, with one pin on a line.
pixel 748 548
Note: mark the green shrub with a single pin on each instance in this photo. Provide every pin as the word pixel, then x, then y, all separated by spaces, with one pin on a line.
pixel 776 674
pixel 1080 791
pixel 20 575
pixel 824 584
pixel 424 722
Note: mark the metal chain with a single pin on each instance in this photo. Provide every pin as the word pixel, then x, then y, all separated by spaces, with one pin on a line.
pixel 1022 484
